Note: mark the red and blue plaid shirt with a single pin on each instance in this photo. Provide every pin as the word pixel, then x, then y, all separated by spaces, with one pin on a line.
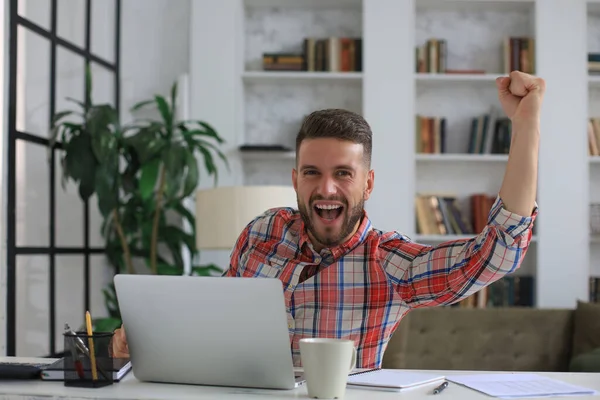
pixel 361 289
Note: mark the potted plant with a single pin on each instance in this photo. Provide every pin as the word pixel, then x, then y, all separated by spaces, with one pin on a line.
pixel 141 174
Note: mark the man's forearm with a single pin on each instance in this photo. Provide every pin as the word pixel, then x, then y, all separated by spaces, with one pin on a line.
pixel 519 187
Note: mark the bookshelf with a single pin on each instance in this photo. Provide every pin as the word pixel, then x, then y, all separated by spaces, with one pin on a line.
pixel 593 51
pixel 266 107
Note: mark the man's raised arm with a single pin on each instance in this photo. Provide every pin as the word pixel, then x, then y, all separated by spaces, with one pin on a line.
pixel 521 98
pixel 454 270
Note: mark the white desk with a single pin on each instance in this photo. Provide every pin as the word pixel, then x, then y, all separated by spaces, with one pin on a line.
pixel 130 388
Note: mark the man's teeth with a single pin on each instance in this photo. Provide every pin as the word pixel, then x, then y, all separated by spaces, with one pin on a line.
pixel 328 207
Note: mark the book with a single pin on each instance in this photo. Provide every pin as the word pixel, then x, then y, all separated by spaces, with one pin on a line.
pixel 56 370
pixel 393 379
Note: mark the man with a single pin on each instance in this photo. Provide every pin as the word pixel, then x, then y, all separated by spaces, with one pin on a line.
pixel 342 277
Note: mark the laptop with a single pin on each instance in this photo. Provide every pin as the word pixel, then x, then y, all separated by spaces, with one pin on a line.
pixel 218 331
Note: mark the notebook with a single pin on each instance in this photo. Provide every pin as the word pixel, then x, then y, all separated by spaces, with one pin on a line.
pixel 56 372
pixel 519 385
pixel 393 379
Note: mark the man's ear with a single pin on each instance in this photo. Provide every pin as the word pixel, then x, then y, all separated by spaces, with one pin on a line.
pixel 369 185
pixel 294 179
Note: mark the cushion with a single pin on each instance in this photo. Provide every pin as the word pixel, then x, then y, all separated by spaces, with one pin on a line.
pixel 586 362
pixel 586 329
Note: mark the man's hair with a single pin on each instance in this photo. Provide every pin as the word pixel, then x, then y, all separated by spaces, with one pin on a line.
pixel 339 124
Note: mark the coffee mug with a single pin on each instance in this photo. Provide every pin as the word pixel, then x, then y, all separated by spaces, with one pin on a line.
pixel 327 363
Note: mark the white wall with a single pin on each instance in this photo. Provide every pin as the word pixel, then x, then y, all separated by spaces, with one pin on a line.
pixel 154 52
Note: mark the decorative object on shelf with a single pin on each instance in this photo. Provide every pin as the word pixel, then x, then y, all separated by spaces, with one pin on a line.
pixel 222 213
pixel 141 174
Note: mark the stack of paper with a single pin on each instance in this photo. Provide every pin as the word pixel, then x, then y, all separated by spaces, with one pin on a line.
pixel 514 386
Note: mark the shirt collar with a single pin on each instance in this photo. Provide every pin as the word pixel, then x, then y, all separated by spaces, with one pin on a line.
pixel 361 233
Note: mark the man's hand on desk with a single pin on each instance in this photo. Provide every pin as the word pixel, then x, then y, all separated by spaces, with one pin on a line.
pixel 119 344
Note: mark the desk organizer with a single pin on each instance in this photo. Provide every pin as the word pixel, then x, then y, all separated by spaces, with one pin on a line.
pixel 88 361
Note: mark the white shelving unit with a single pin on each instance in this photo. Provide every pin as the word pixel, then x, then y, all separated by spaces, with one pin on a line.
pixel 248 105
pixel 593 46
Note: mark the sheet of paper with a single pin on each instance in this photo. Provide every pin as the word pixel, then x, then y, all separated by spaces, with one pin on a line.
pixel 519 385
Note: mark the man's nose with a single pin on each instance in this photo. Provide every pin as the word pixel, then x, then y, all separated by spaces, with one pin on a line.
pixel 327 187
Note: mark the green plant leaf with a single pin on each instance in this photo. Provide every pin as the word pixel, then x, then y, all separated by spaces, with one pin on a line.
pixel 203 143
pixel 173 101
pixel 147 143
pixel 148 178
pixel 141 104
pixel 207 130
pixel 106 187
pixel 106 324
pixel 168 269
pixel 174 158
pixel 184 212
pixel 164 110
pixel 191 177
pixel 209 163
pixel 206 270
pixel 173 235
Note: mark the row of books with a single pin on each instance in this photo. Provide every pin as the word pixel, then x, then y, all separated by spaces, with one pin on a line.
pixel 594 63
pixel 489 134
pixel 332 54
pixel 593 131
pixel 510 291
pixel 518 55
pixel 594 290
pixel 515 291
pixel 443 215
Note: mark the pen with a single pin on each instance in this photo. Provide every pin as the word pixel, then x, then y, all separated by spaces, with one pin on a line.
pixel 440 388
pixel 88 322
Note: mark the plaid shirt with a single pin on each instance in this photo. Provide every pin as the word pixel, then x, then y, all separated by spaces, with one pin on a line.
pixel 361 289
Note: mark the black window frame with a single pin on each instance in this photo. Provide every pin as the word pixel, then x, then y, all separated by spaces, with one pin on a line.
pixel 15 21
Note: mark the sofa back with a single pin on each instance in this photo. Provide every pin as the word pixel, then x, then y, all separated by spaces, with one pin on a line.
pixel 454 338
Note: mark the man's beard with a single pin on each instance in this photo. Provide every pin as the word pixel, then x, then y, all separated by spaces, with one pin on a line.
pixel 351 218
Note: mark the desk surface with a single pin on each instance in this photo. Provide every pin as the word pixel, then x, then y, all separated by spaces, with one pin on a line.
pixel 130 388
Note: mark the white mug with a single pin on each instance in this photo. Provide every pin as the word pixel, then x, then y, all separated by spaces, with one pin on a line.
pixel 327 363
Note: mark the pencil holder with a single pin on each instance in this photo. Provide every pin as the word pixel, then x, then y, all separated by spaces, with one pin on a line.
pixel 87 361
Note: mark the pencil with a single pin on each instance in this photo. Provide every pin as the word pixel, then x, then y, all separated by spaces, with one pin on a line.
pixel 88 323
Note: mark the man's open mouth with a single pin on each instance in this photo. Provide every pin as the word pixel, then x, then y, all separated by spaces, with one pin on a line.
pixel 328 212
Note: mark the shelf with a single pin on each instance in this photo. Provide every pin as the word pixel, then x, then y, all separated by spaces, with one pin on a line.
pixel 445 238
pixel 462 157
pixel 267 155
pixel 476 5
pixel 595 159
pixel 304 76
pixel 456 78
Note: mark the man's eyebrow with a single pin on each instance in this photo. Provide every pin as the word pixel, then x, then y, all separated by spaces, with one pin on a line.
pixel 341 166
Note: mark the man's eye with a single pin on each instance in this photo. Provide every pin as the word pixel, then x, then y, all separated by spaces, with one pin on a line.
pixel 309 172
pixel 343 173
